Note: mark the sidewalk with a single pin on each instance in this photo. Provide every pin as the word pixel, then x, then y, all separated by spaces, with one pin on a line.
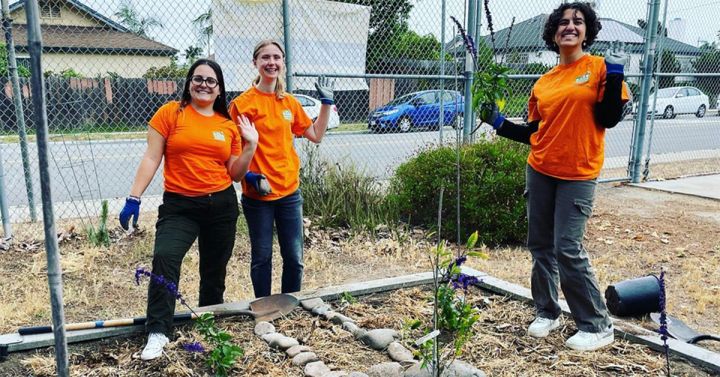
pixel 707 186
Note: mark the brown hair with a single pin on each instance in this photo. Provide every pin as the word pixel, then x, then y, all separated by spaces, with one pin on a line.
pixel 280 85
pixel 220 104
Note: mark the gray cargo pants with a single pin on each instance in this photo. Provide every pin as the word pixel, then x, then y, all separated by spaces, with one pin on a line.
pixel 557 213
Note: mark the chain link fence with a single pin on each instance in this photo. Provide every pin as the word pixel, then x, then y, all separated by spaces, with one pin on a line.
pixel 400 71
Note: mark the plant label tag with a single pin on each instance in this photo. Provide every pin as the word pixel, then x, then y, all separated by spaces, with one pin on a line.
pixel 427 337
pixel 219 135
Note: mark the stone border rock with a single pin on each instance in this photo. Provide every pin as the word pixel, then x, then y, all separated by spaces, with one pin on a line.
pixel 404 363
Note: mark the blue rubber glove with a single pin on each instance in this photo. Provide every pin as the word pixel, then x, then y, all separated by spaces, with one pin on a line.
pixel 616 58
pixel 131 208
pixel 490 114
pixel 325 89
pixel 259 182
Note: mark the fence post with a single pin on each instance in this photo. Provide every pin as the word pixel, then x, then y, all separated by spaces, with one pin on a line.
pixel 646 170
pixel 648 59
pixel 469 118
pixel 7 229
pixel 54 271
pixel 442 73
pixel 288 51
pixel 19 115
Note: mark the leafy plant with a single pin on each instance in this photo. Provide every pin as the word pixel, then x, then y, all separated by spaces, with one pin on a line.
pixel 4 67
pixel 453 314
pixel 490 85
pixel 492 177
pixel 100 236
pixel 348 298
pixel 224 354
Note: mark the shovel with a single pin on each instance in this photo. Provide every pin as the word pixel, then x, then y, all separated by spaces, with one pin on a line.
pixel 680 331
pixel 263 309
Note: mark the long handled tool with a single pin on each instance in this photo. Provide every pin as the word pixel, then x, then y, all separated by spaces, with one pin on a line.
pixel 263 309
pixel 680 331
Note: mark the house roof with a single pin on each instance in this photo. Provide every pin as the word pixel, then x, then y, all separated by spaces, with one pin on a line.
pixel 102 19
pixel 84 39
pixel 527 36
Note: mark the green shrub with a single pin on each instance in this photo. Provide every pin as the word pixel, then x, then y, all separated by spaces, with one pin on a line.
pixel 492 181
pixel 336 195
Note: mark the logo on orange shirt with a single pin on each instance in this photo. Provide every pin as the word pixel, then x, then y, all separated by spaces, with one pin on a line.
pixel 219 135
pixel 287 114
pixel 583 79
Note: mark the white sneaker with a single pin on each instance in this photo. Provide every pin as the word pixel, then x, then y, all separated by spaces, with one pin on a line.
pixel 588 341
pixel 154 347
pixel 541 327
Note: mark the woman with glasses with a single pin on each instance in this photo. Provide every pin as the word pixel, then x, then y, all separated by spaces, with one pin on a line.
pixel 201 147
pixel 279 118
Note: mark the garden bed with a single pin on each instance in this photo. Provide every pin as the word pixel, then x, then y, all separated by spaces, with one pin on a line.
pixel 500 347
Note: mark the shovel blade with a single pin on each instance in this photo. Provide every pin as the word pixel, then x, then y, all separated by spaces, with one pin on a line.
pixel 676 328
pixel 280 303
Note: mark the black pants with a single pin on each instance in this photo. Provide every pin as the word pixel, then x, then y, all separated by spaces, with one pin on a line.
pixel 182 219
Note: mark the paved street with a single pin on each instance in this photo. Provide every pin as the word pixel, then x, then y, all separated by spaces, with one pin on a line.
pixel 83 170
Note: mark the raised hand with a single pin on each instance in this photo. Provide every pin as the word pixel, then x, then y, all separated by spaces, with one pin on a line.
pixel 490 114
pixel 616 58
pixel 325 88
pixel 247 129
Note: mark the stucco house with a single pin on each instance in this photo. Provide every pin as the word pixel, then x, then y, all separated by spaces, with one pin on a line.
pixel 526 45
pixel 76 36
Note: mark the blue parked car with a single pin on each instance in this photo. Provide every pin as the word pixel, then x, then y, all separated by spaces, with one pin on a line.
pixel 418 110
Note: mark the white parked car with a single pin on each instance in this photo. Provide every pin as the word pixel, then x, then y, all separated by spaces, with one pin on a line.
pixel 717 106
pixel 312 109
pixel 679 100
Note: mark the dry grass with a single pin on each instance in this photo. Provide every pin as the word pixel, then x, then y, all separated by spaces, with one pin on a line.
pixel 500 348
pixel 670 170
pixel 632 233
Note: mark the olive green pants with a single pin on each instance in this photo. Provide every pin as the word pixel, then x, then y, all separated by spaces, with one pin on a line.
pixel 557 213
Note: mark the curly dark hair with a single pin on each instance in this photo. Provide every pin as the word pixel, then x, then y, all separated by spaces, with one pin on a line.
pixel 553 22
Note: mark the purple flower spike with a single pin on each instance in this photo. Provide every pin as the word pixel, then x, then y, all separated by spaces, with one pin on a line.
pixel 193 347
pixel 663 320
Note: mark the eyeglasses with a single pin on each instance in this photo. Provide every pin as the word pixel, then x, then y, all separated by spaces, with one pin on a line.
pixel 209 82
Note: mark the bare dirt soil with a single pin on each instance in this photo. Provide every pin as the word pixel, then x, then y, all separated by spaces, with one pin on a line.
pixel 633 232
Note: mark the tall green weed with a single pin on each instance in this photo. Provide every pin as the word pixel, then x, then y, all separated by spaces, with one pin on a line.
pixel 340 195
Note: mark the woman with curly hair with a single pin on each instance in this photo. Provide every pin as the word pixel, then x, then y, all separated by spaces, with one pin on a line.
pixel 569 109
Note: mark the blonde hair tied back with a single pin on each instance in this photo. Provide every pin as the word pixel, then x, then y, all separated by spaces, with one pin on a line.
pixel 280 85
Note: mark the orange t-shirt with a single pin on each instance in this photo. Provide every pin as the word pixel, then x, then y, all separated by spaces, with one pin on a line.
pixel 569 143
pixel 196 149
pixel 277 123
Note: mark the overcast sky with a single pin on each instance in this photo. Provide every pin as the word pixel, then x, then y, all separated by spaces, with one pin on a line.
pixel 702 17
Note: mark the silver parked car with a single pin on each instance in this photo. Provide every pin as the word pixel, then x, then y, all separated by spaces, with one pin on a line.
pixel 312 109
pixel 679 100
